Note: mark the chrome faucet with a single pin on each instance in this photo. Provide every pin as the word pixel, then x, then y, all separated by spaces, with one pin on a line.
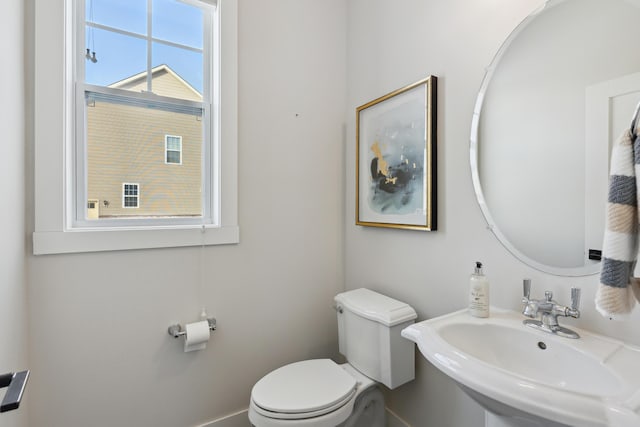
pixel 549 311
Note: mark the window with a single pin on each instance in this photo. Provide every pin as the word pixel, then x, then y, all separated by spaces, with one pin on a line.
pixel 138 74
pixel 173 149
pixel 131 108
pixel 130 195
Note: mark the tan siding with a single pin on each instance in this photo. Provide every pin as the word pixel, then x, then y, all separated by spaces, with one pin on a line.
pixel 127 144
pixel 167 85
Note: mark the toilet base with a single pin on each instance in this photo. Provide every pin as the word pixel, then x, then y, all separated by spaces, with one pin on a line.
pixel 368 410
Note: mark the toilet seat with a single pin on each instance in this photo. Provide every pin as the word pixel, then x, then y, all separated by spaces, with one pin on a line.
pixel 306 389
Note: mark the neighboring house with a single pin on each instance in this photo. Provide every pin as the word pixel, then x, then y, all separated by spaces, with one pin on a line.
pixel 144 161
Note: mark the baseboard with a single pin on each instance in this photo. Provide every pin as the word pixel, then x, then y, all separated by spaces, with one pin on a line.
pixel 239 419
pixel 393 420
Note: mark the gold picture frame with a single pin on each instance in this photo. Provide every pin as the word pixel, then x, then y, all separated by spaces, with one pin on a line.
pixel 396 159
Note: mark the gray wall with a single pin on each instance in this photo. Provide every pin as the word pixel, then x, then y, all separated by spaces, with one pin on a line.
pixel 13 312
pixel 390 46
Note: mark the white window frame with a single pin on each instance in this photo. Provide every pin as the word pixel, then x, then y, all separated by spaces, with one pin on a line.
pixel 166 149
pixel 125 195
pixel 54 131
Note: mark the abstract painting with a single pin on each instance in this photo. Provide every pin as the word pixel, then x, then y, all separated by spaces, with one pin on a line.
pixel 396 159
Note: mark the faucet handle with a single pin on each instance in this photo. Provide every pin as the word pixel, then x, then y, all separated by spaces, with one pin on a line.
pixel 575 298
pixel 526 288
pixel 548 295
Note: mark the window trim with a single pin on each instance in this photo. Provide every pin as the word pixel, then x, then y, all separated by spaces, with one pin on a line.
pixel 53 145
pixel 166 150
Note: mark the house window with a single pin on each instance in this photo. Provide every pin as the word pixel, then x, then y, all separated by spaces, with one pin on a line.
pixel 130 195
pixel 173 149
pixel 132 72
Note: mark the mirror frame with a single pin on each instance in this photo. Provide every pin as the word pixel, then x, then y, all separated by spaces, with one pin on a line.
pixel 586 270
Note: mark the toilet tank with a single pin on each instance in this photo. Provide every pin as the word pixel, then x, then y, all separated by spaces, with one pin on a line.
pixel 369 326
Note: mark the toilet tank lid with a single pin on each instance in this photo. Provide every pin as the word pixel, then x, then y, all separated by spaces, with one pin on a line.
pixel 377 307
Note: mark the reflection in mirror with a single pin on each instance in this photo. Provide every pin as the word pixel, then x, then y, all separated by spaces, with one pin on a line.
pixel 561 89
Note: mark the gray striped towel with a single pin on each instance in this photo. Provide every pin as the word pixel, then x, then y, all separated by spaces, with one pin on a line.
pixel 618 289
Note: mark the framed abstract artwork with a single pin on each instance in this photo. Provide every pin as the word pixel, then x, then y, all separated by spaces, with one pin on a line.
pixel 396 159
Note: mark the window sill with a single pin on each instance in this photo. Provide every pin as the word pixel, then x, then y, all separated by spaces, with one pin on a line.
pixel 74 241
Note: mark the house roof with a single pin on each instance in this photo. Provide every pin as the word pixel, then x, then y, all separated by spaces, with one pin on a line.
pixel 140 78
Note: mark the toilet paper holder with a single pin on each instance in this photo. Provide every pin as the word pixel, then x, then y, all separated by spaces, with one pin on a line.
pixel 177 330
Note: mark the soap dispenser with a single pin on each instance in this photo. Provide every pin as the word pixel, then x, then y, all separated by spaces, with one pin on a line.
pixel 478 293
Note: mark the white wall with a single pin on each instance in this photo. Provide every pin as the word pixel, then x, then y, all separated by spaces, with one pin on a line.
pixel 13 317
pixel 100 352
pixel 390 46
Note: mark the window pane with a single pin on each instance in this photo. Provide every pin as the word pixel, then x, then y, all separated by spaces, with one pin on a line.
pixel 130 190
pixel 177 22
pixel 186 64
pixel 125 134
pixel 173 143
pixel 126 144
pixel 173 157
pixel 119 57
pixel 130 202
pixel 128 15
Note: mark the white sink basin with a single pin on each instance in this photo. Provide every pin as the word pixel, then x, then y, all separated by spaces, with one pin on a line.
pixel 517 371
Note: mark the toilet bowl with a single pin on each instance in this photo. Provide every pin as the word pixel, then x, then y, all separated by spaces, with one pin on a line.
pixel 322 393
pixel 318 393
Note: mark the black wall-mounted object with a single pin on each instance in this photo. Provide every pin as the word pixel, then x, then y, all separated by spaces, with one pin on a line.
pixel 16 383
pixel 595 254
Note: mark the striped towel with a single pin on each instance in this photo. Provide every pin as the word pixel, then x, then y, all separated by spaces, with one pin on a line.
pixel 618 289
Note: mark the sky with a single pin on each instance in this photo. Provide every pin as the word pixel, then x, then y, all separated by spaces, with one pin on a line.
pixel 120 56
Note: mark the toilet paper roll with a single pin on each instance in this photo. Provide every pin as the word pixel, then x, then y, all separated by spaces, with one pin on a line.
pixel 197 336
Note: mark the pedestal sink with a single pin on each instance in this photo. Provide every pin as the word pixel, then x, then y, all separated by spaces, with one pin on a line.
pixel 524 374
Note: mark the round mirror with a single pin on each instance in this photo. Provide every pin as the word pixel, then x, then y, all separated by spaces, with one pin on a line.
pixel 562 88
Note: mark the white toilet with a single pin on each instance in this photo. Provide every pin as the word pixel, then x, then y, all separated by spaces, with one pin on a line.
pixel 321 393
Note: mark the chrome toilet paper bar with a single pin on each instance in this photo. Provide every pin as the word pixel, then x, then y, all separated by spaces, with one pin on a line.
pixel 177 330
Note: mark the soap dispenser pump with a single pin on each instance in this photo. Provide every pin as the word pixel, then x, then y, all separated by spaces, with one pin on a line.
pixel 478 293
